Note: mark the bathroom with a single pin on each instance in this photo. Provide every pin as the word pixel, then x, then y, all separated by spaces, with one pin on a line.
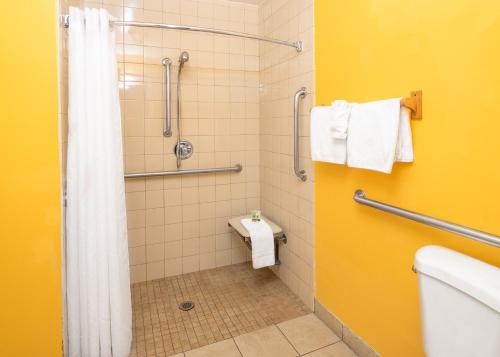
pixel 216 106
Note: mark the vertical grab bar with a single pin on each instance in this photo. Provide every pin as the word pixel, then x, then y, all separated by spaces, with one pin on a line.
pixel 167 64
pixel 301 93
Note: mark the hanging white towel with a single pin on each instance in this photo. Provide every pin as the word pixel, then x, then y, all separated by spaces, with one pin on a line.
pixel 341 110
pixel 379 133
pixel 329 132
pixel 262 238
pixel 404 148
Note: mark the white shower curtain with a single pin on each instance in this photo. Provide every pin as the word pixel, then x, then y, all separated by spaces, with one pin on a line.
pixel 98 284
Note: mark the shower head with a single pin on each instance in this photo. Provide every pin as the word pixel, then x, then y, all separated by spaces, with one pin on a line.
pixel 183 58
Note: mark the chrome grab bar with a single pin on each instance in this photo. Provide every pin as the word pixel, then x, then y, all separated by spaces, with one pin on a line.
pixel 297 45
pixel 301 174
pixel 236 168
pixel 167 68
pixel 359 197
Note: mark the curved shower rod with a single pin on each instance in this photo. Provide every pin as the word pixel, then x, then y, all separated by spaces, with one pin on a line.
pixel 297 45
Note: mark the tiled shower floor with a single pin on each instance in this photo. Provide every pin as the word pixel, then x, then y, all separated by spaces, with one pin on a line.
pixel 229 302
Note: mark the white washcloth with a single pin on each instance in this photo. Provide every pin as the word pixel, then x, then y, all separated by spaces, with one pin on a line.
pixel 329 132
pixel 379 133
pixel 262 238
pixel 341 110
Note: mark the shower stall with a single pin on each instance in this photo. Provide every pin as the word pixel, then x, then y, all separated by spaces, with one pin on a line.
pixel 206 92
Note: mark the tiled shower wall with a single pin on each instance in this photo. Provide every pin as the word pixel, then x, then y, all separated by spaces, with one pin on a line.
pixel 179 225
pixel 284 198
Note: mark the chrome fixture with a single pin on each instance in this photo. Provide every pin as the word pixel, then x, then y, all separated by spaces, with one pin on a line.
pixel 301 174
pixel 360 197
pixel 186 305
pixel 297 45
pixel 167 64
pixel 183 148
pixel 236 168
pixel 183 58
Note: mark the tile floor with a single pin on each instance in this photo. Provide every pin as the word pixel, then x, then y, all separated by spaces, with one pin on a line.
pixel 229 302
pixel 302 336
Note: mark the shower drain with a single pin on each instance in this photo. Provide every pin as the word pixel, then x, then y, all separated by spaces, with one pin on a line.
pixel 186 305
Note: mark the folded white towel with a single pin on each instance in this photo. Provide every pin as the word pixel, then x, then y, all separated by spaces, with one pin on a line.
pixel 404 148
pixel 341 110
pixel 262 238
pixel 379 133
pixel 329 131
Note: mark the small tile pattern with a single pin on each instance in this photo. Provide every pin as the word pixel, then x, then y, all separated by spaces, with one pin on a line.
pixel 229 301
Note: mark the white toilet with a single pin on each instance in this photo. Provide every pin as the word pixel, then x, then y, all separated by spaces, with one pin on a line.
pixel 459 304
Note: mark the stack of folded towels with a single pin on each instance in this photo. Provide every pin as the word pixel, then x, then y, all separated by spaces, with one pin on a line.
pixel 368 136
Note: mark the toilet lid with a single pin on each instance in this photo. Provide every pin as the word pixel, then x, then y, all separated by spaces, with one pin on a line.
pixel 472 276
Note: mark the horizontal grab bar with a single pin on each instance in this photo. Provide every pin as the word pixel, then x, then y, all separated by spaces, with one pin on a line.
pixel 236 168
pixel 359 197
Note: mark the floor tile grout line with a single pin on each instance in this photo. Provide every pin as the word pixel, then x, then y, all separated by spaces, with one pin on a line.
pixel 320 348
pixel 286 338
pixel 238 347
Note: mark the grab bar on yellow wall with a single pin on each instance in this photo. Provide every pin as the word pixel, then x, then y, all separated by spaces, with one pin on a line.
pixel 359 197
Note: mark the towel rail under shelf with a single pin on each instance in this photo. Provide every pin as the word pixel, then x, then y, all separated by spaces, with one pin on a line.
pixel 359 196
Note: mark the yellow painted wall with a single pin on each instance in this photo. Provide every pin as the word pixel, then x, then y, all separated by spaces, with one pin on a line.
pixel 376 49
pixel 30 289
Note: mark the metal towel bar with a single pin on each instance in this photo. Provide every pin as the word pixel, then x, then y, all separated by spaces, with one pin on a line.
pixel 359 196
pixel 236 168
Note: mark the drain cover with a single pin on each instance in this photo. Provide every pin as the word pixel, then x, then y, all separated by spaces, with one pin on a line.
pixel 186 305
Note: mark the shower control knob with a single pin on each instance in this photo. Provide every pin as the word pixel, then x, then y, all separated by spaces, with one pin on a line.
pixel 185 149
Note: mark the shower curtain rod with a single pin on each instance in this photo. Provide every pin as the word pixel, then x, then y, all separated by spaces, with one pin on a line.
pixel 297 45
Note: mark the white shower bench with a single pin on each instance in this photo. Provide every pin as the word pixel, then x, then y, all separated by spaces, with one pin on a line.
pixel 279 235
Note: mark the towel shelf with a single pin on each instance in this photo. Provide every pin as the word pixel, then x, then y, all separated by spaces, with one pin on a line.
pixel 279 235
pixel 413 103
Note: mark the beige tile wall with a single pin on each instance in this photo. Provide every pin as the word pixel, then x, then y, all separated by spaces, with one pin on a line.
pixel 284 198
pixel 179 225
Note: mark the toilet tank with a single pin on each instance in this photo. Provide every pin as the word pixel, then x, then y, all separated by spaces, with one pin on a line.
pixel 459 304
